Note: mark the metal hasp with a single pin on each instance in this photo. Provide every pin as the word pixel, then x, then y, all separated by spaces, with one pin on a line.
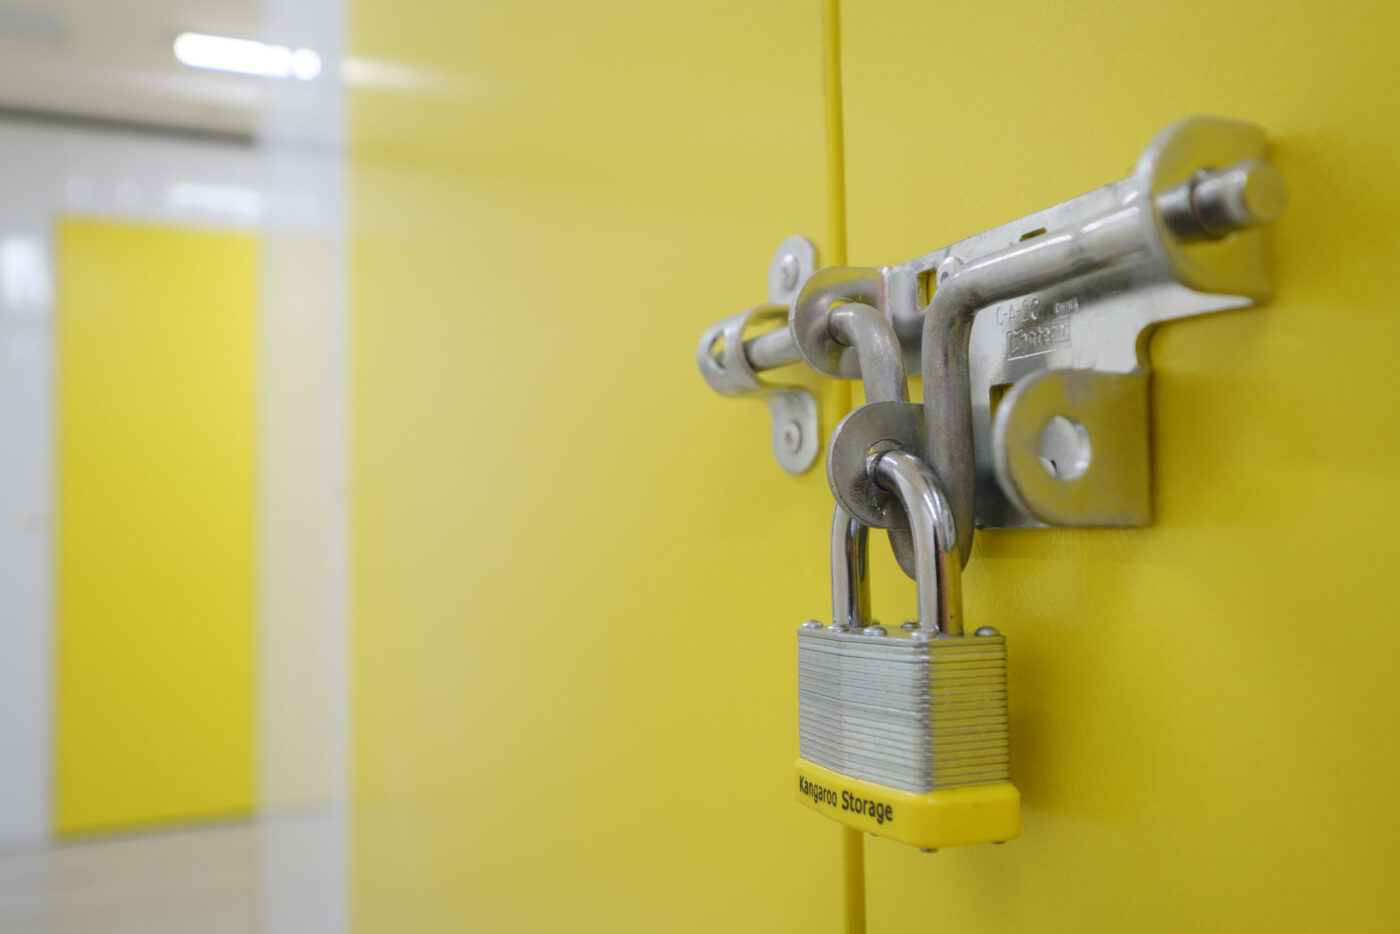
pixel 730 365
pixel 1032 336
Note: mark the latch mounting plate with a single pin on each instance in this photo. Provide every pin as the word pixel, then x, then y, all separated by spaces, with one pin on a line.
pixel 793 414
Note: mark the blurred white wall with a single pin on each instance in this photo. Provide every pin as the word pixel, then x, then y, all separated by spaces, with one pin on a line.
pixel 98 119
pixel 292 202
pixel 47 171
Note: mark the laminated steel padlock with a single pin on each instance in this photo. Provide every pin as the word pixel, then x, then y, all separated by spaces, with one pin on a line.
pixel 904 733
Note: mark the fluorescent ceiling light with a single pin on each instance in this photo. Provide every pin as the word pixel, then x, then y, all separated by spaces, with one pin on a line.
pixel 246 57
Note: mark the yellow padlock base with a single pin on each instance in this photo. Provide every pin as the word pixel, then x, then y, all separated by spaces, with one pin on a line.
pixel 933 819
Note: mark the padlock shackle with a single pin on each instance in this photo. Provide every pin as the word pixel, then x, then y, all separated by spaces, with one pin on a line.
pixel 939 564
pixel 850 572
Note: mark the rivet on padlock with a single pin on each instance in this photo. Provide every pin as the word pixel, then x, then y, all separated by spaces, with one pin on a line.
pixel 906 736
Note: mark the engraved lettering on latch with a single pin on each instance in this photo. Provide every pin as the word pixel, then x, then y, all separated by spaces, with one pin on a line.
pixel 1015 314
pixel 1027 342
pixel 1049 330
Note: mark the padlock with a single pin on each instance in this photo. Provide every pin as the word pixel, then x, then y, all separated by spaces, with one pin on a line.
pixel 904 733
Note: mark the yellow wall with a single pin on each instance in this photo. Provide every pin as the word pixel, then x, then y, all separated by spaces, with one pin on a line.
pixel 155 389
pixel 1203 710
pixel 577 572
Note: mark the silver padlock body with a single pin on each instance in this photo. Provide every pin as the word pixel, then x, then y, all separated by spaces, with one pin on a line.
pixel 904 713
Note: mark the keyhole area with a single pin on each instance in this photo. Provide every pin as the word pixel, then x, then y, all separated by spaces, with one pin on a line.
pixel 1064 448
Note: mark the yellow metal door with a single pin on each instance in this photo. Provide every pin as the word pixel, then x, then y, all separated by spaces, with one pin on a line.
pixel 154 590
pixel 577 571
pixel 1202 710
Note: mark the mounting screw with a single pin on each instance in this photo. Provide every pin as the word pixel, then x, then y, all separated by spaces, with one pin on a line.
pixel 909 625
pixel 987 631
pixel 791 438
pixel 812 624
pixel 788 268
pixel 875 630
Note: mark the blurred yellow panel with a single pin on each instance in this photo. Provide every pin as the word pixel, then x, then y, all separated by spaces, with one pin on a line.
pixel 1203 711
pixel 155 456
pixel 577 571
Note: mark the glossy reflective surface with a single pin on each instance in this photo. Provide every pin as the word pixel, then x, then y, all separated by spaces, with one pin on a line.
pixel 577 569
pixel 1199 708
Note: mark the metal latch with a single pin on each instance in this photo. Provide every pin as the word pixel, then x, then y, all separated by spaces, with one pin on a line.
pixel 730 365
pixel 1031 337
